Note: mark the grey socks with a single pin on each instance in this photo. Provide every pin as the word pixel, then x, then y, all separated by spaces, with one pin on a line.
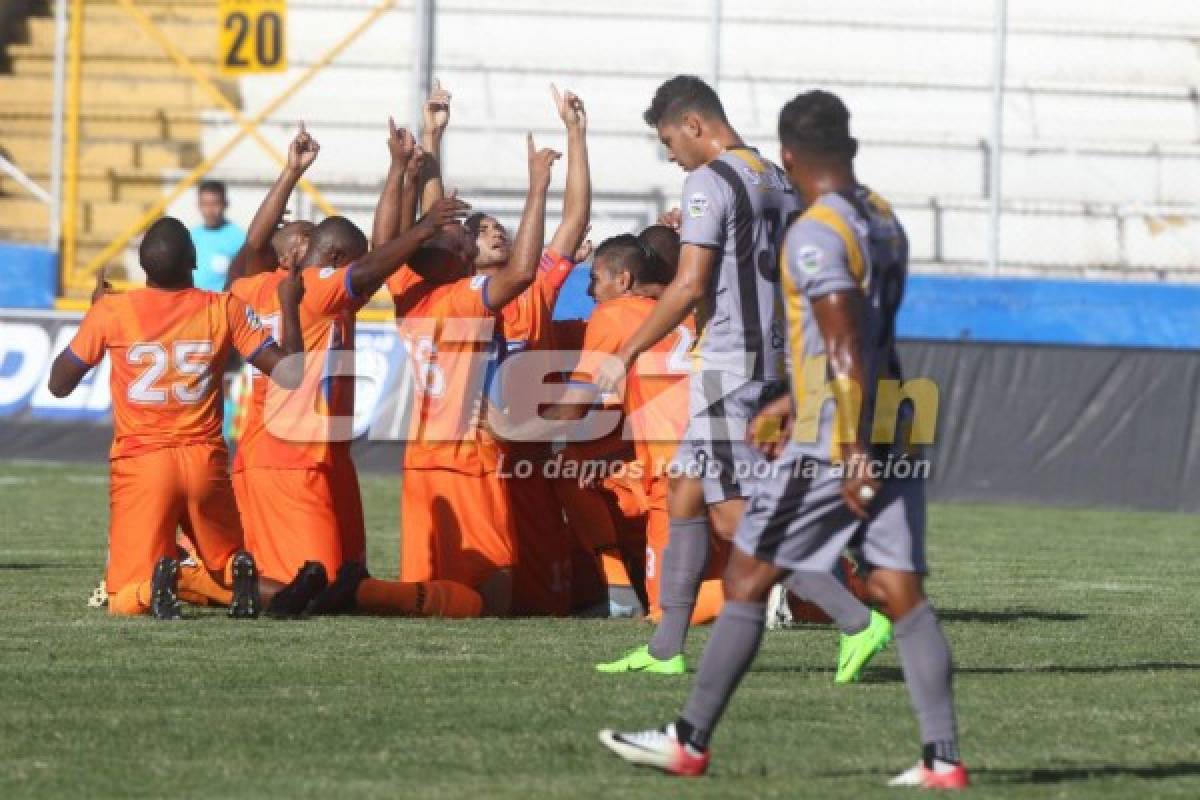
pixel 735 639
pixel 928 673
pixel 683 565
pixel 827 592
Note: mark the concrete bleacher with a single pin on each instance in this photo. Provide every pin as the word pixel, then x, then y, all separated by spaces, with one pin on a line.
pixel 1102 117
pixel 1102 113
pixel 140 118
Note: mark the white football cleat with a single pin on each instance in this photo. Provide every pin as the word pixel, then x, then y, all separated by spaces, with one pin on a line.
pixel 658 748
pixel 779 613
pixel 942 776
pixel 99 597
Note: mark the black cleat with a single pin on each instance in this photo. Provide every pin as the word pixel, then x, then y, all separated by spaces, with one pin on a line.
pixel 164 601
pixel 246 603
pixel 340 597
pixel 291 600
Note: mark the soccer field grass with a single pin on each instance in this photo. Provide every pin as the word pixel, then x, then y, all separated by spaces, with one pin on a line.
pixel 1075 637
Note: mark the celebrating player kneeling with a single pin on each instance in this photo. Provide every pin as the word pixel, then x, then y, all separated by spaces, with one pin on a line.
pixel 169 466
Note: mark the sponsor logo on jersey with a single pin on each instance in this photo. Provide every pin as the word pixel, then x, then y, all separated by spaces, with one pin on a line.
pixel 252 319
pixel 326 272
pixel 810 259
pixel 697 206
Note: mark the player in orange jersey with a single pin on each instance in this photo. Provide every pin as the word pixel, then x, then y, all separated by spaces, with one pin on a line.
pixel 354 590
pixel 542 578
pixel 453 518
pixel 169 466
pixel 288 450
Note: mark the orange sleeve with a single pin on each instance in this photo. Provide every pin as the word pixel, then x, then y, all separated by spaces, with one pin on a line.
pixel 245 329
pixel 401 281
pixel 327 291
pixel 604 333
pixel 602 336
pixel 92 337
pixel 553 271
pixel 243 289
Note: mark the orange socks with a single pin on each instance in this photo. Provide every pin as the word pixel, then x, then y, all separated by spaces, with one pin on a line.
pixel 133 599
pixel 709 600
pixel 196 586
pixel 427 599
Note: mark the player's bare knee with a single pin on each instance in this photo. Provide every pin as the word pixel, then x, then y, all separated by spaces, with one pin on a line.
pixel 724 517
pixel 685 498
pixel 748 580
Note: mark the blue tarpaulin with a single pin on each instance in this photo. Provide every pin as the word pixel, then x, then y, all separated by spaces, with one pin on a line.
pixel 1020 310
pixel 28 276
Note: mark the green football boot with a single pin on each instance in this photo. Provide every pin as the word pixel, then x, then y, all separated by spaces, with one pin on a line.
pixel 858 649
pixel 640 660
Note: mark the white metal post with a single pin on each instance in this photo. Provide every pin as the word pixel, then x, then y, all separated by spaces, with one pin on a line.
pixel 999 44
pixel 715 46
pixel 422 67
pixel 53 238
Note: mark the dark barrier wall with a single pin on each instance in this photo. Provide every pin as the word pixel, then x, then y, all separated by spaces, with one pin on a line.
pixel 1017 422
pixel 1063 425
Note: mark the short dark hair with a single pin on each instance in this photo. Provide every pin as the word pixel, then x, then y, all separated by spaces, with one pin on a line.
pixel 336 235
pixel 683 93
pixel 817 122
pixel 437 263
pixel 213 187
pixel 167 253
pixel 626 252
pixel 662 242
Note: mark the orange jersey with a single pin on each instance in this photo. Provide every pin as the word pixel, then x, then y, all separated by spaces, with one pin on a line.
pixel 447 332
pixel 656 392
pixel 327 323
pixel 168 349
pixel 527 321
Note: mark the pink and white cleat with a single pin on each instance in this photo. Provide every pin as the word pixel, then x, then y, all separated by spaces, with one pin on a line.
pixel 942 775
pixel 658 748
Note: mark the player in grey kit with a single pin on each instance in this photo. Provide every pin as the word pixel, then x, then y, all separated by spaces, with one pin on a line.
pixel 844 265
pixel 736 206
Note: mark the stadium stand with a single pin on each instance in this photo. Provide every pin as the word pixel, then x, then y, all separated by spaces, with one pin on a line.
pixel 140 118
pixel 1102 129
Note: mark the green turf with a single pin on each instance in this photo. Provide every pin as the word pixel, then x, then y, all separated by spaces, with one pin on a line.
pixel 1075 635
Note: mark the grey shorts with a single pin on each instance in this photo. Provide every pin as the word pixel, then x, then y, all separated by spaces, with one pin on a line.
pixel 714 447
pixel 796 520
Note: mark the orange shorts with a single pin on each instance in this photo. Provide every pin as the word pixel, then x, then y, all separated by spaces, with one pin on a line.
pixel 453 526
pixel 150 495
pixel 291 516
pixel 542 577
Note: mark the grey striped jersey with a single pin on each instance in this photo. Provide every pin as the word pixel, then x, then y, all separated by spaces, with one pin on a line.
pixel 740 205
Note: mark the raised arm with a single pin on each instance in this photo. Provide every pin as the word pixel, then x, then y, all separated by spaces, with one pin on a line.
pixel 388 215
pixel 285 361
pixel 517 276
pixel 412 187
pixel 677 301
pixel 372 270
pixel 436 118
pixel 256 254
pixel 577 201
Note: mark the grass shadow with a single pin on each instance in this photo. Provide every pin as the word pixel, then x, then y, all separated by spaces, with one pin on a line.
pixel 1014 615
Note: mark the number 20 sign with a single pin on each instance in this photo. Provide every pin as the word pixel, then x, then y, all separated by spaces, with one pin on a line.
pixel 252 36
